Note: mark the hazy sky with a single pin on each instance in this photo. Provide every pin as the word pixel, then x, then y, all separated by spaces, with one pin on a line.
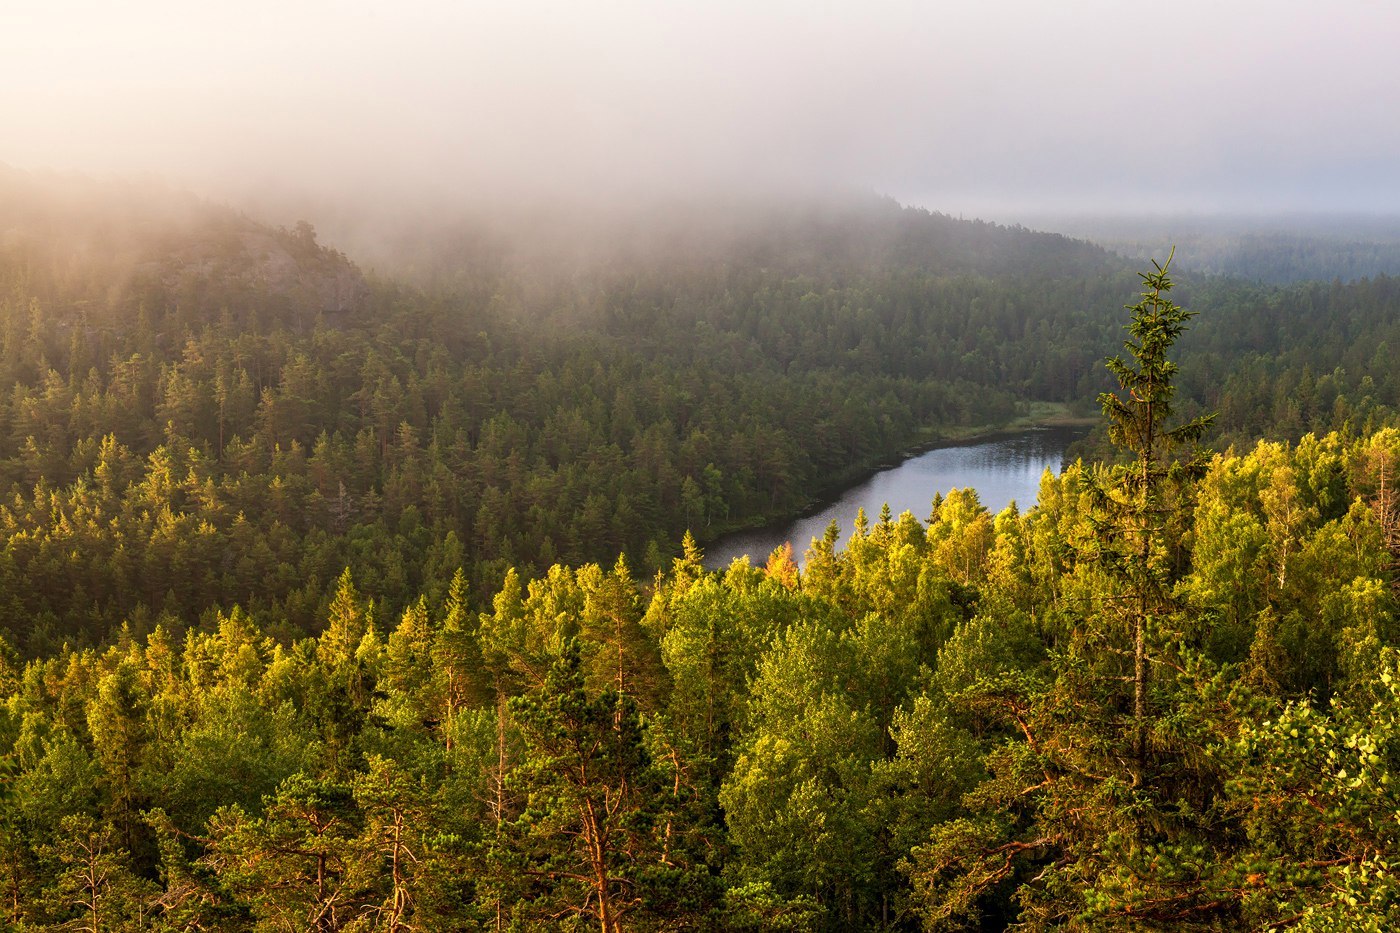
pixel 976 107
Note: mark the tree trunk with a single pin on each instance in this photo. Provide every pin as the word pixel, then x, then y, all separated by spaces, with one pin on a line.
pixel 1140 696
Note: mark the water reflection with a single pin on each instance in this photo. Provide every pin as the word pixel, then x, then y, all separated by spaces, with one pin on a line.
pixel 1001 469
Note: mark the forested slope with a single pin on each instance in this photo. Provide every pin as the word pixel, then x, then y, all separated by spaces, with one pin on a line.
pixel 1165 697
pixel 211 412
pixel 929 727
pixel 1281 249
pixel 1279 362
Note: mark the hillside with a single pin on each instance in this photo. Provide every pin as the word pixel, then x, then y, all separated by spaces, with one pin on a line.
pixel 931 729
pixel 1272 249
pixel 184 375
pixel 305 608
pixel 101 250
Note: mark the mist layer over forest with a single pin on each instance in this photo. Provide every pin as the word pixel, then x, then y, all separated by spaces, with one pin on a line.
pixel 341 592
pixel 373 380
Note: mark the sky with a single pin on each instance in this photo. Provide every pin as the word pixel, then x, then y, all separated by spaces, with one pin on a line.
pixel 981 108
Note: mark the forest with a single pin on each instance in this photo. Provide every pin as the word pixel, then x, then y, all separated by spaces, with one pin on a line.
pixel 335 600
pixel 1282 249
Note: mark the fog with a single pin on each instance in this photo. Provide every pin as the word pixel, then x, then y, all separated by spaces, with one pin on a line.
pixel 416 109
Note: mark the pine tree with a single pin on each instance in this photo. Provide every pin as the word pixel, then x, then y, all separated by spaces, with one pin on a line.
pixel 294 865
pixel 1098 808
pixel 1139 501
pixel 93 885
pixel 590 841
pixel 457 658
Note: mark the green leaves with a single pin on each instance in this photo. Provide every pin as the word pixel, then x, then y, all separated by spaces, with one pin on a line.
pixel 1322 790
pixel 595 836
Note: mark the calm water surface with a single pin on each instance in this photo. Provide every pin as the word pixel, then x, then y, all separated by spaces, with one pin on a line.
pixel 1001 469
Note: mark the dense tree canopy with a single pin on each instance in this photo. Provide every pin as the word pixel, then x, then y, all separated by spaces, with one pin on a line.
pixel 354 605
pixel 901 735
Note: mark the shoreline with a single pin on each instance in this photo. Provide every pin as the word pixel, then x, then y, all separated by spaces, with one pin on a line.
pixel 1051 415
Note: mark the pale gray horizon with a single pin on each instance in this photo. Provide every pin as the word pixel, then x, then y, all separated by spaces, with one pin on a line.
pixel 984 109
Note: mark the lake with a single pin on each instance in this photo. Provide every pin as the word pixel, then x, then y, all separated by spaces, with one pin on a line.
pixel 1002 468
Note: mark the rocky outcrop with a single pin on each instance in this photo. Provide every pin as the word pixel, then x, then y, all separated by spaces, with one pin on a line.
pixel 84 243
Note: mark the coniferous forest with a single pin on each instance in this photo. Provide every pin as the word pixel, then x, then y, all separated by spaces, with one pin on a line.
pixel 344 600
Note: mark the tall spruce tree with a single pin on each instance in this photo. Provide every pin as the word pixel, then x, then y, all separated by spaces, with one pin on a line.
pixel 1138 501
pixel 1098 808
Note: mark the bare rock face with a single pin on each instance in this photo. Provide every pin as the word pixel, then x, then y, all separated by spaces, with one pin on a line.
pixel 327 281
pixel 242 261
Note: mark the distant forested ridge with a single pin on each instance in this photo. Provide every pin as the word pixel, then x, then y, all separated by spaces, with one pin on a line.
pixel 1278 362
pixel 1275 250
pixel 202 412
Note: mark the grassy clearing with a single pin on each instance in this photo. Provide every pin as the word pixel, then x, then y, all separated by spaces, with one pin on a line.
pixel 1034 415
